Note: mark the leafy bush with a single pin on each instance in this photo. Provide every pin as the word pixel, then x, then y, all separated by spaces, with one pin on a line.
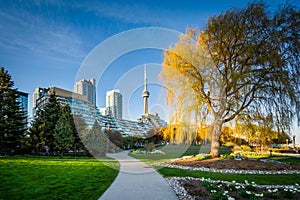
pixel 230 187
pixel 229 144
pixel 245 148
pixel 149 147
pixel 250 154
pixel 227 156
pixel 202 157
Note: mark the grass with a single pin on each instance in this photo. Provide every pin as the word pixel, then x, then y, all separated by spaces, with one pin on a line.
pixel 286 159
pixel 261 179
pixel 55 178
pixel 176 151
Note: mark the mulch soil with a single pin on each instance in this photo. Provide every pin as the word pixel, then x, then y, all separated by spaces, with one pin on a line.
pixel 198 191
pixel 217 163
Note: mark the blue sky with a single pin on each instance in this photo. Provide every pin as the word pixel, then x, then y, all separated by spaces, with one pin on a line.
pixel 44 43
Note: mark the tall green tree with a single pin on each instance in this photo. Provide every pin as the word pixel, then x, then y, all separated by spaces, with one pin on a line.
pixel 81 129
pixel 41 133
pixel 96 142
pixel 243 62
pixel 64 131
pixel 50 115
pixel 35 139
pixel 12 117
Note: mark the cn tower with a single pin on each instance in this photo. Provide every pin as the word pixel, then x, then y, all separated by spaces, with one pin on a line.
pixel 146 93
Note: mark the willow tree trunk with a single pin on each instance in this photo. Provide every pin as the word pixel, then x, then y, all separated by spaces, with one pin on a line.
pixel 215 138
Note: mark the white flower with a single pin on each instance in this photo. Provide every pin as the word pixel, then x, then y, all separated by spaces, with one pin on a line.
pixel 275 190
pixel 259 195
pixel 296 184
pixel 231 198
pixel 235 182
pixel 248 192
pixel 237 187
pixel 213 191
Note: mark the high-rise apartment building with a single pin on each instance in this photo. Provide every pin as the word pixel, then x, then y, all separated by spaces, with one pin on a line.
pixel 87 88
pixel 23 100
pixel 38 92
pixel 114 103
pixel 78 103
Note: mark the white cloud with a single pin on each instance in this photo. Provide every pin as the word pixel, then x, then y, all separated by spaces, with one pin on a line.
pixel 40 35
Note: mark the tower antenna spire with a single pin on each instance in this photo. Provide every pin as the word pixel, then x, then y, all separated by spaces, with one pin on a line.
pixel 145 77
pixel 146 93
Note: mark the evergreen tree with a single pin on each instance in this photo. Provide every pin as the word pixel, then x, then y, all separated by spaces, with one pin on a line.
pixel 12 117
pixel 96 142
pixel 35 139
pixel 50 115
pixel 80 131
pixel 41 133
pixel 64 131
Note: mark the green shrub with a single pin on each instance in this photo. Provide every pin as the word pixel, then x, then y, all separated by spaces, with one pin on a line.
pixel 149 147
pixel 202 157
pixel 219 196
pixel 229 144
pixel 250 188
pixel 230 187
pixel 287 194
pixel 227 156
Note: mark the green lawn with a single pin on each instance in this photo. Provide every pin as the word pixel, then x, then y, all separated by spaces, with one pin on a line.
pixel 262 179
pixel 55 178
pixel 285 159
pixel 177 151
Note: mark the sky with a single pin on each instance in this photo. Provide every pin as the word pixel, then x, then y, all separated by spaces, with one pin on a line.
pixel 47 43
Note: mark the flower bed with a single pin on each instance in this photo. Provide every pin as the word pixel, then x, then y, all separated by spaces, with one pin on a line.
pixel 143 152
pixel 231 171
pixel 201 188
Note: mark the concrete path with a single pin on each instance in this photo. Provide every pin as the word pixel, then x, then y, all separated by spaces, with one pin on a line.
pixel 136 181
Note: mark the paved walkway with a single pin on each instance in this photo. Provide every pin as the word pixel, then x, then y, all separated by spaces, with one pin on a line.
pixel 136 181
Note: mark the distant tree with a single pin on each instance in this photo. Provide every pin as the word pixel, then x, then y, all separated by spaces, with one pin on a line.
pixel 167 133
pixel 35 139
pixel 152 136
pixel 64 131
pixel 81 129
pixel 226 135
pixel 115 137
pixel 12 117
pixel 96 142
pixel 243 62
pixel 51 115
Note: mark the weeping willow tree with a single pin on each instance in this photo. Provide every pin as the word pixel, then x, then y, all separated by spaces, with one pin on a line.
pixel 245 61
